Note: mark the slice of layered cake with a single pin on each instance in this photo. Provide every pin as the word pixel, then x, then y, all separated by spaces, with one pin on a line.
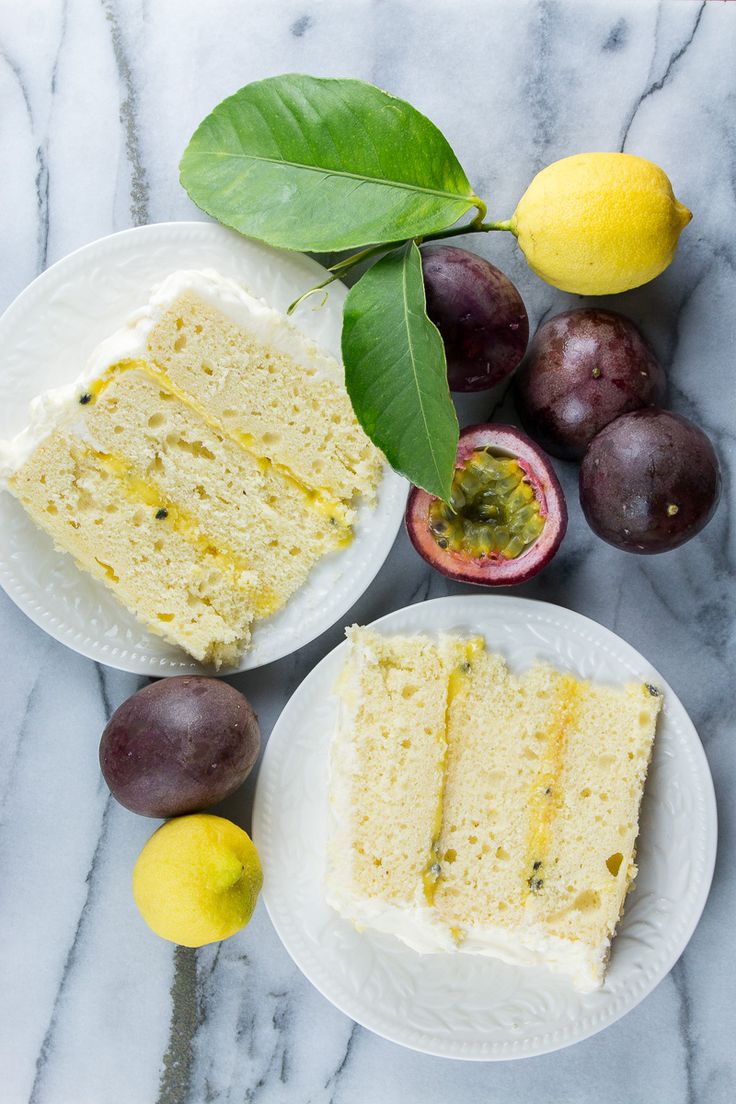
pixel 534 846
pixel 386 795
pixel 204 463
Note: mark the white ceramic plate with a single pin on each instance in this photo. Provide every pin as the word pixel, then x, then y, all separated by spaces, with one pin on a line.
pixel 468 1006
pixel 46 336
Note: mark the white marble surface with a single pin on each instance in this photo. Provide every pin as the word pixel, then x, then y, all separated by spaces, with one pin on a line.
pixel 97 99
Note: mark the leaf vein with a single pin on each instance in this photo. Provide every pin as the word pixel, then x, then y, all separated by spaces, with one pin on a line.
pixel 405 290
pixel 364 179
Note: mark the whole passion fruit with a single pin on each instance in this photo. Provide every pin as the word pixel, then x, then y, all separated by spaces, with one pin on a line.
pixel 179 745
pixel 649 481
pixel 479 313
pixel 506 517
pixel 584 368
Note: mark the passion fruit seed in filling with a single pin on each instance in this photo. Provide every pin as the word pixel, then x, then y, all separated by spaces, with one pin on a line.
pixel 493 510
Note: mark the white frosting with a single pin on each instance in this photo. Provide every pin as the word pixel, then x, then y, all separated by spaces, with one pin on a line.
pixel 419 928
pixel 44 414
pixel 267 325
pixel 531 946
pixel 417 924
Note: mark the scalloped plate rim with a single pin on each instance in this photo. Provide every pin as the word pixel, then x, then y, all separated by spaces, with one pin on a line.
pixel 155 658
pixel 483 1050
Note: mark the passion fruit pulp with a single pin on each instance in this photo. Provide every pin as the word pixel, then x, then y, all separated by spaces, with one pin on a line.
pixel 506 516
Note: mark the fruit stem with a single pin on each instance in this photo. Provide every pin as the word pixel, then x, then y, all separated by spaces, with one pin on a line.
pixel 507 224
pixel 340 268
pixel 474 227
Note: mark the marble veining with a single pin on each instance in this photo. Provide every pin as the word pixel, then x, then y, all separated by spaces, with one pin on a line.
pixel 129 119
pixel 98 99
pixel 658 83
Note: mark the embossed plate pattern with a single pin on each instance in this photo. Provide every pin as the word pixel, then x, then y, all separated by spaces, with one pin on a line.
pixel 468 1006
pixel 46 336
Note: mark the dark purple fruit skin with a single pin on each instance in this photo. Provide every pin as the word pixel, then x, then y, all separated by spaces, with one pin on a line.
pixel 583 369
pixel 479 313
pixel 640 465
pixel 179 745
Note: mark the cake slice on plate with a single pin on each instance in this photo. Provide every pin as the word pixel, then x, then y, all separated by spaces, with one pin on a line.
pixel 256 375
pixel 387 777
pixel 202 465
pixel 535 781
pixel 545 775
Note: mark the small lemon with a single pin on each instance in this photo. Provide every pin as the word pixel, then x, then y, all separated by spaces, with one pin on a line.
pixel 197 880
pixel 599 223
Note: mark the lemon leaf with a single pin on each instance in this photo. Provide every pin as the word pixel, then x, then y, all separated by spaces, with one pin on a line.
pixel 396 372
pixel 318 164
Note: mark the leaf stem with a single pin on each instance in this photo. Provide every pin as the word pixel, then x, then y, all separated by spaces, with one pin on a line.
pixel 474 227
pixel 482 212
pixel 454 232
pixel 355 258
pixel 340 268
pixel 318 287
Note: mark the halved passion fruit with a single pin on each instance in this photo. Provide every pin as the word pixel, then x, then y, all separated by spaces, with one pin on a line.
pixel 506 517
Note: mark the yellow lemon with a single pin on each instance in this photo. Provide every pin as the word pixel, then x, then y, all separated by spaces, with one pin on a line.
pixel 599 223
pixel 197 880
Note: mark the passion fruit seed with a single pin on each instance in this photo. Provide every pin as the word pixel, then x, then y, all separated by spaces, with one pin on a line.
pixel 508 520
pixel 493 510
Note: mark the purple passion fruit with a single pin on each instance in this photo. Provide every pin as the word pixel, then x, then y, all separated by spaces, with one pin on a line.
pixel 479 313
pixel 506 517
pixel 179 745
pixel 649 481
pixel 584 368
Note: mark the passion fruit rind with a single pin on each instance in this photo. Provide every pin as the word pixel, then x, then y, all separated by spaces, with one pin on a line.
pixel 584 368
pixel 506 517
pixel 650 481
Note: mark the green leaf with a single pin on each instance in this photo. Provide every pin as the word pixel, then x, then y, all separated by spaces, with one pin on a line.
pixel 313 164
pixel 396 373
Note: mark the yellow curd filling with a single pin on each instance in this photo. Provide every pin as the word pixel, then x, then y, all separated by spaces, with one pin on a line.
pixel 319 498
pixel 145 491
pixel 168 513
pixel 433 870
pixel 545 795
